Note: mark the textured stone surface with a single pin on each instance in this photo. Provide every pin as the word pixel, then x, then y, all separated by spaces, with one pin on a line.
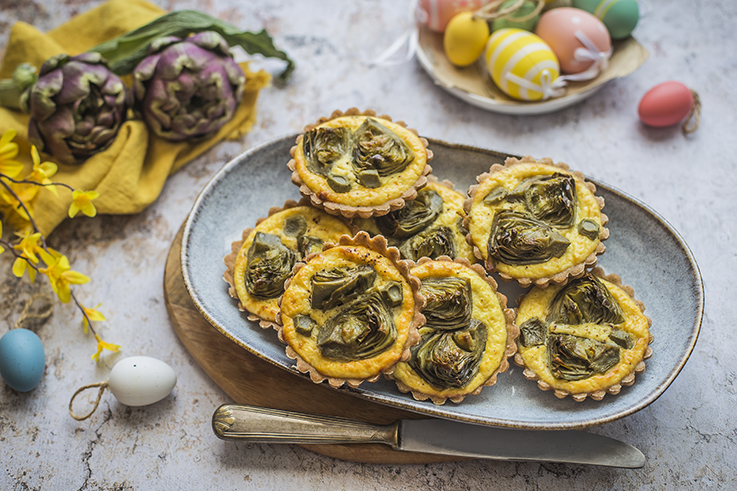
pixel 689 435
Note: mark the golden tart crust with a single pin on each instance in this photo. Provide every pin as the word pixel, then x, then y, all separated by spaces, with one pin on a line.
pixel 303 347
pixel 536 358
pixel 451 218
pixel 489 307
pixel 360 200
pixel 579 255
pixel 319 224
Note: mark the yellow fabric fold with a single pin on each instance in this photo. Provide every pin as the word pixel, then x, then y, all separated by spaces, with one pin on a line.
pixel 130 174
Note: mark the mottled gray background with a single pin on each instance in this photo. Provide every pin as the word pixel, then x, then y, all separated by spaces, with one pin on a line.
pixel 688 434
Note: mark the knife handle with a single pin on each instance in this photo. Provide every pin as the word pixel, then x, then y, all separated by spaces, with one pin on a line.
pixel 265 425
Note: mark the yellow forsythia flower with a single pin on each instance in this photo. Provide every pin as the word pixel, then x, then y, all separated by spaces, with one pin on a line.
pixel 26 192
pixel 83 202
pixel 93 314
pixel 8 152
pixel 101 345
pixel 42 173
pixel 28 247
pixel 61 276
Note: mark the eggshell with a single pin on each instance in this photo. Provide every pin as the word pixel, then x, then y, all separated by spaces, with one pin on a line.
pixel 141 380
pixel 509 21
pixel 523 54
pixel 665 104
pixel 464 39
pixel 436 14
pixel 619 16
pixel 22 359
pixel 558 27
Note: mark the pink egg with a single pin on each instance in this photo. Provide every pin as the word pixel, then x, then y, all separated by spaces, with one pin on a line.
pixel 665 104
pixel 562 28
pixel 436 14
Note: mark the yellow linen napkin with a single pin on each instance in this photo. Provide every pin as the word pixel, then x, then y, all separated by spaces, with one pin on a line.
pixel 130 174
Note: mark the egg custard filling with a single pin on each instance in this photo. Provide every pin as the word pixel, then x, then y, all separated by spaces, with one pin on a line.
pixel 431 225
pixel 348 313
pixel 359 160
pixel 265 259
pixel 531 220
pixel 583 338
pixel 467 337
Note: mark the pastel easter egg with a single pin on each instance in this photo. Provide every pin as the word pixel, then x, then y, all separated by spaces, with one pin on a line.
pixel 141 380
pixel 564 28
pixel 665 104
pixel 464 39
pixel 619 16
pixel 511 20
pixel 436 14
pixel 22 359
pixel 513 54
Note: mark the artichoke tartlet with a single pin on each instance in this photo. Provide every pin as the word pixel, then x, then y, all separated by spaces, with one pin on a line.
pixel 431 225
pixel 585 339
pixel 350 312
pixel 262 261
pixel 356 163
pixel 535 221
pixel 468 335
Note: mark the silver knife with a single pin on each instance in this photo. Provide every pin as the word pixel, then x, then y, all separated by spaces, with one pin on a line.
pixel 435 436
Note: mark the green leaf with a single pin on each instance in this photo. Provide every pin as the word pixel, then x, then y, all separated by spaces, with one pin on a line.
pixel 125 52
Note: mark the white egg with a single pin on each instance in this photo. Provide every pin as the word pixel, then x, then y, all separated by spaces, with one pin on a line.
pixel 141 380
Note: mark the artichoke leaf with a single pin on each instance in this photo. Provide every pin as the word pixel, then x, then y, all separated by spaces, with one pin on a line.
pixel 518 239
pixel 126 51
pixel 450 359
pixel 449 302
pixel 269 265
pixel 362 329
pixel 379 148
pixel 577 358
pixel 532 332
pixel 414 217
pixel 307 244
pixel 585 300
pixel 340 285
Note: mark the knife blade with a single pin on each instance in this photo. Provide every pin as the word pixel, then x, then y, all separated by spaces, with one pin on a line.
pixel 435 436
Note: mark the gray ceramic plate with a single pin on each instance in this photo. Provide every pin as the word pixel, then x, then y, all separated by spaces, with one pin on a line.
pixel 643 249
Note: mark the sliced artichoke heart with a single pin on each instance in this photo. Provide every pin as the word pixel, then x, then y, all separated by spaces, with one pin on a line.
pixel 379 148
pixel 340 285
pixel 431 243
pixel 518 239
pixel 585 300
pixel 269 264
pixel 577 358
pixel 324 146
pixel 450 359
pixel 414 217
pixel 449 302
pixel 362 329
pixel 551 199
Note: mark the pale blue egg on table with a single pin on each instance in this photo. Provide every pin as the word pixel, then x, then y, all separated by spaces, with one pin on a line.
pixel 22 359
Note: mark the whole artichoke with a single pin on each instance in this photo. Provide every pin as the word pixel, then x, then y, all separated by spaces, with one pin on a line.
pixel 188 88
pixel 77 106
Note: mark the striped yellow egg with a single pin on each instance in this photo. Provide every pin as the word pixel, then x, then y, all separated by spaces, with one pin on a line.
pixel 514 53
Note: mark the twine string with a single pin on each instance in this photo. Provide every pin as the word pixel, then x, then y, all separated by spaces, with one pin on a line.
pixel 695 113
pixel 101 385
pixel 26 314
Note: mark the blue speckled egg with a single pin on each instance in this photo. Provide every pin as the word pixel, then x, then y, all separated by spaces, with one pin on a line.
pixel 22 359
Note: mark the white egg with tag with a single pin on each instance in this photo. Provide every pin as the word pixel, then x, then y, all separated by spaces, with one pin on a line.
pixel 141 380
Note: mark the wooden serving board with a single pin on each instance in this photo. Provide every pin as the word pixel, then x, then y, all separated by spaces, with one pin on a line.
pixel 250 380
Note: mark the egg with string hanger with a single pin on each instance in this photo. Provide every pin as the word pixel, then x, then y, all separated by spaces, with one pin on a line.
pixel 436 14
pixel 670 103
pixel 580 41
pixel 523 66
pixel 134 381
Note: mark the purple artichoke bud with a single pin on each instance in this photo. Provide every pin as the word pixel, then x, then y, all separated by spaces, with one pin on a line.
pixel 77 106
pixel 188 88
